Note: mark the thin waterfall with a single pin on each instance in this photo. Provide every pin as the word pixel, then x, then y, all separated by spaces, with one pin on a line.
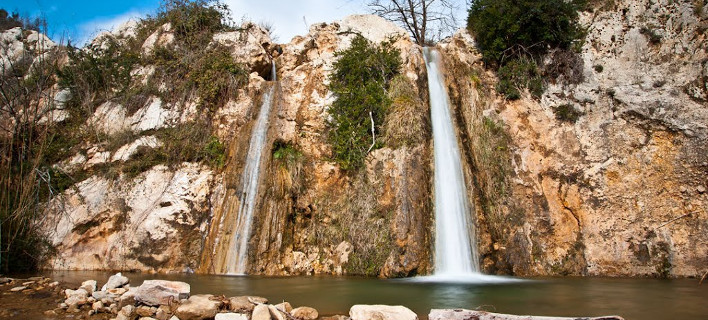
pixel 455 243
pixel 238 253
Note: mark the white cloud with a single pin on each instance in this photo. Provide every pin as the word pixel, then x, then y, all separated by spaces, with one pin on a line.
pixel 289 17
pixel 88 30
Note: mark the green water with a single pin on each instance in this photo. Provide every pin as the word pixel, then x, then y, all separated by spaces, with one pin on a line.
pixel 630 298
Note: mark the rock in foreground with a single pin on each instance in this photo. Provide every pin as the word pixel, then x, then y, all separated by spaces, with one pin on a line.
pixel 463 314
pixel 381 312
pixel 162 292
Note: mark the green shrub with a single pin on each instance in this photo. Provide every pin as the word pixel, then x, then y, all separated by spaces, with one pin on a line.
pixel 567 113
pixel 95 73
pixel 359 81
pixel 216 75
pixel 215 152
pixel 193 22
pixel 513 34
pixel 285 152
pixel 509 28
pixel 518 74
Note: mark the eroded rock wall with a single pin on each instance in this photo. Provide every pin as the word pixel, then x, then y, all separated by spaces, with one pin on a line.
pixel 622 189
pixel 315 218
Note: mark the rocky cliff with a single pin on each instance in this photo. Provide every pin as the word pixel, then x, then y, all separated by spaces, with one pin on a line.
pixel 605 175
pixel 619 187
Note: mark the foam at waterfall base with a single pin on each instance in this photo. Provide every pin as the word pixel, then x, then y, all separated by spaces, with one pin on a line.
pixel 465 278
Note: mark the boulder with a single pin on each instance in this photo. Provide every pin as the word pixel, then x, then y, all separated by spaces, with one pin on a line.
pixel 231 316
pixel 100 295
pixel 89 286
pixel 244 303
pixel 198 307
pixel 145 311
pixel 76 297
pixel 115 281
pixel 163 313
pixel 128 311
pixel 127 298
pixel 5 280
pixel 336 317
pixel 305 313
pixel 381 312
pixel 276 313
pixel 18 289
pixel 260 312
pixel 161 292
pixel 97 306
pixel 284 306
pixel 463 314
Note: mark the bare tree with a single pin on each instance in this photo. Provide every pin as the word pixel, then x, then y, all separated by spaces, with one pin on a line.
pixel 425 19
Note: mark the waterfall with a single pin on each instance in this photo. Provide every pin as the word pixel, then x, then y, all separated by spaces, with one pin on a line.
pixel 238 253
pixel 455 244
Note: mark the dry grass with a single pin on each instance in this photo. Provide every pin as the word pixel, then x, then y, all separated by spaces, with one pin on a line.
pixel 405 124
pixel 358 220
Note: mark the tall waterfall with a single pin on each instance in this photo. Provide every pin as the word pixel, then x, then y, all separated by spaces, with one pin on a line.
pixel 455 245
pixel 238 254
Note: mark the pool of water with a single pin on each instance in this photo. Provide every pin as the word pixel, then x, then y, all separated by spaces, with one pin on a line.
pixel 630 298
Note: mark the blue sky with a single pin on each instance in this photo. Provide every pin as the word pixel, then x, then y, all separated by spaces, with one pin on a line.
pixel 80 20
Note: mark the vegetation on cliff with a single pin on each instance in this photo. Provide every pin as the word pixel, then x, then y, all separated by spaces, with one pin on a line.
pixel 51 91
pixel 362 74
pixel 514 35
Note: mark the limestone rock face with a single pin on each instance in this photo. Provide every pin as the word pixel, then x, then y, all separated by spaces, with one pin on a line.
pixel 616 192
pixel 306 202
pixel 107 223
pixel 621 190
pixel 251 45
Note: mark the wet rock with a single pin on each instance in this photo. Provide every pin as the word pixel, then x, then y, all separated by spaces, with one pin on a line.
pixel 231 316
pixel 89 286
pixel 198 307
pixel 304 313
pixel 18 289
pixel 244 303
pixel 115 281
pixel 381 312
pixel 161 292
pixel 260 312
